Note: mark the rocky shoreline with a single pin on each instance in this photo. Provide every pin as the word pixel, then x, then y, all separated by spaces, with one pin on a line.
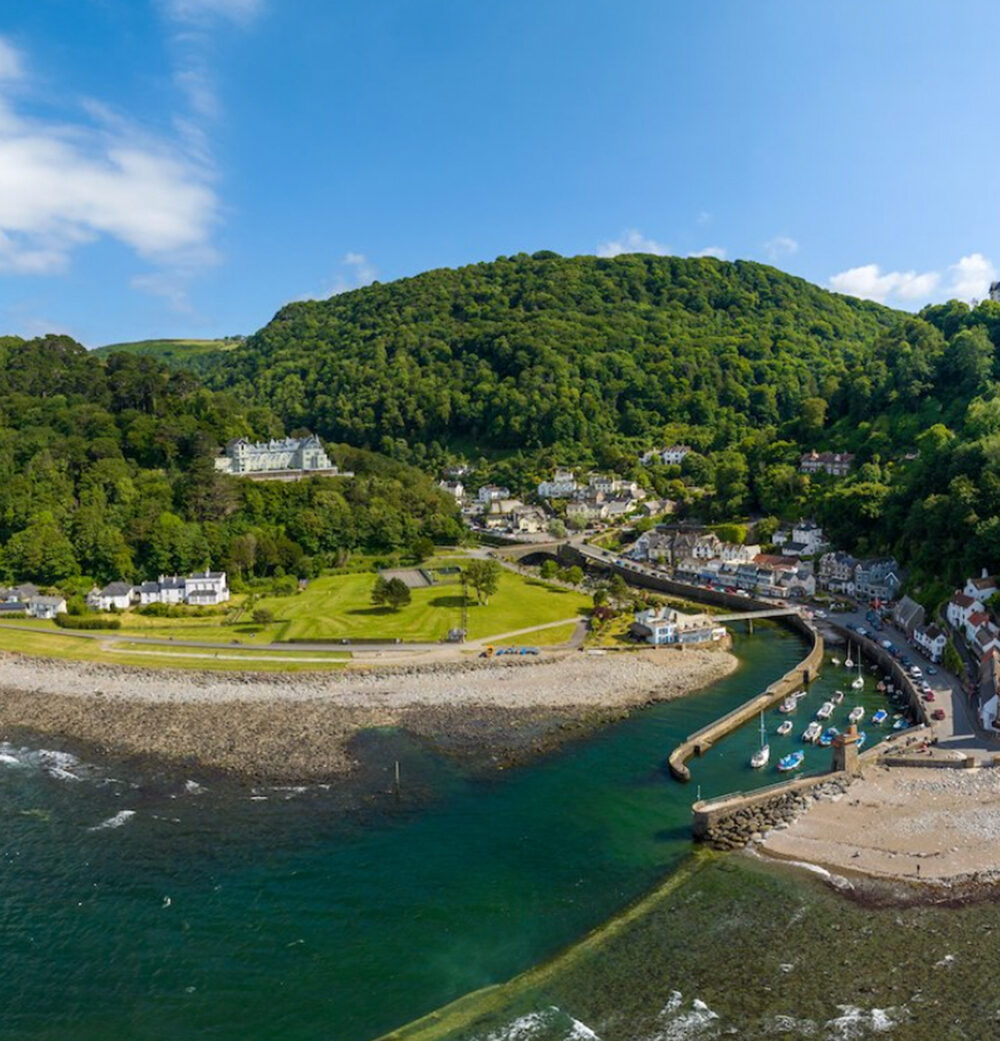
pixel 273 727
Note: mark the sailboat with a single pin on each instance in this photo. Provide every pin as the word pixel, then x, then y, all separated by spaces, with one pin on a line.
pixel 858 682
pixel 848 664
pixel 761 756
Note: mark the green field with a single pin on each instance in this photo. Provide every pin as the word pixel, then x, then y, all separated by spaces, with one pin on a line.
pixel 338 607
pixel 170 352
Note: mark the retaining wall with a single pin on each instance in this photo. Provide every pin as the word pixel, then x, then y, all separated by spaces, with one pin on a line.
pixel 733 820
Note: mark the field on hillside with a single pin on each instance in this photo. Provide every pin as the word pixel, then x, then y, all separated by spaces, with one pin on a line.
pixel 171 352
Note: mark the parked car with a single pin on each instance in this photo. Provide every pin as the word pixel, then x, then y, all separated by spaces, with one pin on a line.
pixel 931 671
pixel 938 713
pixel 928 695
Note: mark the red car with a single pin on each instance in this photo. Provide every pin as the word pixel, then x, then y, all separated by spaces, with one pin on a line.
pixel 938 713
pixel 928 695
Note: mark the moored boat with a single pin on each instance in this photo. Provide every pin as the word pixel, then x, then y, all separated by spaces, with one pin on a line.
pixel 761 756
pixel 785 728
pixel 788 705
pixel 880 717
pixel 862 738
pixel 792 761
pixel 856 714
pixel 812 732
pixel 825 710
pixel 826 738
pixel 837 697
pixel 900 724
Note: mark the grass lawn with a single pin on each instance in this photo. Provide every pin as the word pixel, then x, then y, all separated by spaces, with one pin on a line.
pixel 548 637
pixel 338 607
pixel 52 644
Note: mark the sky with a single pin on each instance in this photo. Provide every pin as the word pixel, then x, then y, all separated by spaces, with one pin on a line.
pixel 184 168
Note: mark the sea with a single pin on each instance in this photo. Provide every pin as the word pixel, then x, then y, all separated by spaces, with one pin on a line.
pixel 144 902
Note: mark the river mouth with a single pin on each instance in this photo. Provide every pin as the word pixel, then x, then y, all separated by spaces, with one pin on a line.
pixel 234 910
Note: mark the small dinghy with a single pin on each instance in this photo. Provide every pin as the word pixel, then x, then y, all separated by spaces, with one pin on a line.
pixel 785 728
pixel 835 661
pixel 826 738
pixel 812 732
pixel 838 697
pixel 825 710
pixel 792 761
pixel 880 717
pixel 862 738
pixel 900 724
pixel 856 714
pixel 788 705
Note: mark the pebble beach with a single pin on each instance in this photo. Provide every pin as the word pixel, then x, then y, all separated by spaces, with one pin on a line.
pixel 299 727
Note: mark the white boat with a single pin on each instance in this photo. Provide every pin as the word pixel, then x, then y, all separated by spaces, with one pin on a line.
pixel 880 717
pixel 836 661
pixel 838 697
pixel 799 695
pixel 825 710
pixel 788 705
pixel 856 714
pixel 858 683
pixel 792 761
pixel 812 733
pixel 763 754
pixel 848 661
pixel 785 728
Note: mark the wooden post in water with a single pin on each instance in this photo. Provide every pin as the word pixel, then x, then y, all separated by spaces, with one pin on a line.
pixel 396 785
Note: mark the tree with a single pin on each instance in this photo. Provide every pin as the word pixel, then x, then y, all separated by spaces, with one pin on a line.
pixel 484 577
pixel 549 569
pixel 423 548
pixel 263 616
pixel 600 596
pixel 573 575
pixel 618 587
pixel 380 592
pixel 397 593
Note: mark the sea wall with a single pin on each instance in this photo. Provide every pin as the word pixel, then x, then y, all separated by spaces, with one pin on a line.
pixel 803 673
pixel 734 820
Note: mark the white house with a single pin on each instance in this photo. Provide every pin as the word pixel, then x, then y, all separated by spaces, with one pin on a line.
pixel 802 540
pixel 960 606
pixel 562 486
pixel 986 639
pixel 455 488
pixel 242 456
pixel 206 588
pixel 672 456
pixel 976 621
pixel 167 589
pixel 664 625
pixel 981 588
pixel 491 492
pixel 115 596
pixel 931 640
pixel 45 606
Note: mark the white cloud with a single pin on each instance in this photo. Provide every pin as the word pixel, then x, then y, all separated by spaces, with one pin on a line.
pixel 356 270
pixel 719 252
pixel 11 63
pixel 68 183
pixel 631 241
pixel 200 10
pixel 871 283
pixel 780 246
pixel 971 277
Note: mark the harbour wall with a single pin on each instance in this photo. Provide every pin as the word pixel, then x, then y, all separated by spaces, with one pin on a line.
pixel 734 820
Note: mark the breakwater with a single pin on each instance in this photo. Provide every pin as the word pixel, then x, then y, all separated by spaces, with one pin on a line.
pixel 734 820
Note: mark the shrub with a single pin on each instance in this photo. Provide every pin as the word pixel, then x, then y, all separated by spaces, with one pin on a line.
pixel 66 621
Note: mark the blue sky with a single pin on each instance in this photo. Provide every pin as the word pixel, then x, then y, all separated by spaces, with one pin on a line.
pixel 185 167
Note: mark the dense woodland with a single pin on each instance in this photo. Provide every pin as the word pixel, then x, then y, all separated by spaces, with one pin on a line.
pixel 513 366
pixel 106 471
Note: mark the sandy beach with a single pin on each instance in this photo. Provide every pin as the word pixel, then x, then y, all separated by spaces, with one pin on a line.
pixel 273 726
pixel 935 829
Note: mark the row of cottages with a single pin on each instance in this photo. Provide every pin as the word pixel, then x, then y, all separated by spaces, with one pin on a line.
pixel 766 575
pixel 875 579
pixel 201 589
pixel 911 617
pixel 966 613
pixel 511 516
pixel 598 487
pixel 989 690
pixel 26 599
pixel 672 456
pixel 836 464
pixel 677 547
pixel 804 539
pixel 661 626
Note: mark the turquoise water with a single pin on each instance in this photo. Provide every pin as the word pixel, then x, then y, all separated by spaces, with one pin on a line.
pixel 136 904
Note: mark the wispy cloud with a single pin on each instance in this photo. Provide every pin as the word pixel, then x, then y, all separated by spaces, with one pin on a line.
pixel 199 10
pixel 631 241
pixel 719 252
pixel 968 279
pixel 68 183
pixel 780 247
pixel 354 270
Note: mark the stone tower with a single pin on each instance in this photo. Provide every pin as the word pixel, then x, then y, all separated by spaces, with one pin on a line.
pixel 995 291
pixel 845 751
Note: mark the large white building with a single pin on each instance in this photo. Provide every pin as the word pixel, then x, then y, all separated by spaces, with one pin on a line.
pixel 562 486
pixel 261 457
pixel 203 588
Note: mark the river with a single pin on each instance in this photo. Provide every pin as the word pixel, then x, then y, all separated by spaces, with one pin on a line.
pixel 138 903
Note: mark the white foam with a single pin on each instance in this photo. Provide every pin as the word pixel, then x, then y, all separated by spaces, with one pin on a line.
pixel 946 962
pixel 9 760
pixel 120 818
pixel 854 1022
pixel 193 788
pixel 531 1025
pixel 677 1024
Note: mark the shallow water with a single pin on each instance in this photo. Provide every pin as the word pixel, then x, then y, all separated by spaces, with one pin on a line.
pixel 140 904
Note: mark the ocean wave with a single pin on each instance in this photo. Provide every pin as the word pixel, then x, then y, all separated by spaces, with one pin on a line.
pixel 552 1023
pixel 854 1022
pixel 120 818
pixel 194 788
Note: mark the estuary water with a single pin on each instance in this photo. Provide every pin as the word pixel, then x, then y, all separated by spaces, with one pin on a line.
pixel 141 904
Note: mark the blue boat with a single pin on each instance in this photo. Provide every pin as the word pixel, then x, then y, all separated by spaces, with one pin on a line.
pixel 792 761
pixel 880 717
pixel 862 738
pixel 826 738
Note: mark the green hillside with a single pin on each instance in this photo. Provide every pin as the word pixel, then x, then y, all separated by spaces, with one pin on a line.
pixel 529 351
pixel 178 354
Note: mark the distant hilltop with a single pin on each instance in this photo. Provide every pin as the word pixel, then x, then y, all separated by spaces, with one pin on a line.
pixel 178 354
